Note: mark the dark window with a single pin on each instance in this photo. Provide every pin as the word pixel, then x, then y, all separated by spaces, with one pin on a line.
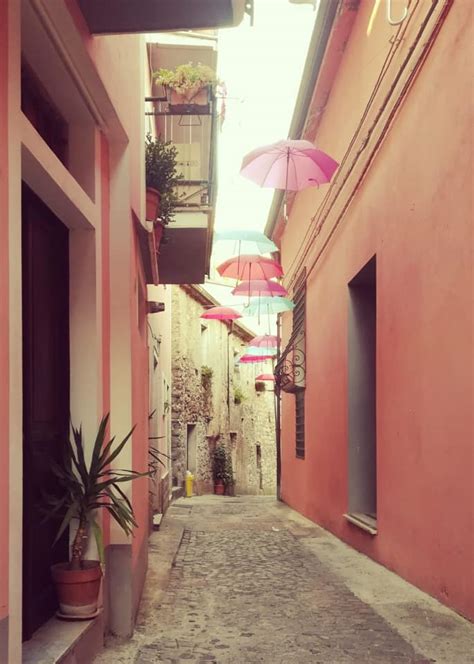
pixel 299 326
pixel 299 401
pixel 43 114
pixel 362 394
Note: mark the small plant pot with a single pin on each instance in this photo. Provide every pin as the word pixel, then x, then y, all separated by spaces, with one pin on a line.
pixel 77 589
pixel 219 488
pixel 194 100
pixel 152 204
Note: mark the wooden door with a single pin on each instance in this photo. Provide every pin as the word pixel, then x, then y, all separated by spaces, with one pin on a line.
pixel 45 273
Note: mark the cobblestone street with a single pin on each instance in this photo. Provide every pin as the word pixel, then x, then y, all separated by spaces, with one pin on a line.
pixel 253 582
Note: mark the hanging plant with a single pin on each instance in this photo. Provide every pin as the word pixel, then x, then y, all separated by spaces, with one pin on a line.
pixel 239 396
pixel 162 176
pixel 187 81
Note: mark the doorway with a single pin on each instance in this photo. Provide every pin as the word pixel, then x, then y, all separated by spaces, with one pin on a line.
pixel 45 277
pixel 191 449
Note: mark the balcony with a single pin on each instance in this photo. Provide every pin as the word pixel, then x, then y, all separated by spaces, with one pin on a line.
pixel 185 251
pixel 132 16
pixel 290 371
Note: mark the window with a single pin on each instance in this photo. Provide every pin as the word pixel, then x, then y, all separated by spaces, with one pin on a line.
pixel 362 454
pixel 43 115
pixel 299 401
pixel 299 326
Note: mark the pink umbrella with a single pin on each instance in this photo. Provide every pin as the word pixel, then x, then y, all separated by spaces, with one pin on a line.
pixel 259 287
pixel 249 359
pixel 221 313
pixel 250 266
pixel 264 341
pixel 265 376
pixel 292 165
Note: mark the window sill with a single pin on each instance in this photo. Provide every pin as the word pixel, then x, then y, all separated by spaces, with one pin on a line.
pixel 362 521
pixel 60 641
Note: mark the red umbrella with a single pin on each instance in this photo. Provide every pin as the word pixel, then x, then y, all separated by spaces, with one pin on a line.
pixel 250 266
pixel 264 341
pixel 259 287
pixel 221 313
pixel 249 359
pixel 265 376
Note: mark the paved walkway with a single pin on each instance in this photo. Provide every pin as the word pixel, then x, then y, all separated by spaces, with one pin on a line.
pixel 253 582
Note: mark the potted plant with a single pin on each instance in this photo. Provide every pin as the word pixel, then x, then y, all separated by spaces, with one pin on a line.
pixel 161 179
pixel 188 87
pixel 229 483
pixel 219 470
pixel 239 396
pixel 87 488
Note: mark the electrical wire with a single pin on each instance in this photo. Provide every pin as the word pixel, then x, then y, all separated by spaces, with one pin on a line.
pixel 305 246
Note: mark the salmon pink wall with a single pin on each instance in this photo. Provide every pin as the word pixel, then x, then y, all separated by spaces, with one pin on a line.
pixel 105 293
pixel 414 212
pixel 4 305
pixel 140 399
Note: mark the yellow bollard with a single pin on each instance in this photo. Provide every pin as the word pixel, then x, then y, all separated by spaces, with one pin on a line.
pixel 189 484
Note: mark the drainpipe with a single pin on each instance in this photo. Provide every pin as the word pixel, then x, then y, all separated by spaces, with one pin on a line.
pixel 278 417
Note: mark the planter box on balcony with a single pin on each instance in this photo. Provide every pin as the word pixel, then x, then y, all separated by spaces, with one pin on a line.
pixel 195 101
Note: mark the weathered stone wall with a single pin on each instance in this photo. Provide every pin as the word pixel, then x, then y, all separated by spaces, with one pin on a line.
pixel 204 412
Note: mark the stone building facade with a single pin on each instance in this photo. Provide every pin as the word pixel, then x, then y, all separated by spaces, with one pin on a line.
pixel 215 400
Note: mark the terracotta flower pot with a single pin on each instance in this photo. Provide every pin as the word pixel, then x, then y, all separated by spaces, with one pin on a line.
pixel 219 488
pixel 152 204
pixel 77 590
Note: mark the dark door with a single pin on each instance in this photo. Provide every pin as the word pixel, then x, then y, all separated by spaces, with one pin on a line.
pixel 45 398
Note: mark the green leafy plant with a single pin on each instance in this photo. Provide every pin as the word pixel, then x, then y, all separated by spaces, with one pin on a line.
pixel 206 377
pixel 239 395
pixel 186 77
pixel 219 461
pixel 85 488
pixel 162 174
pixel 229 471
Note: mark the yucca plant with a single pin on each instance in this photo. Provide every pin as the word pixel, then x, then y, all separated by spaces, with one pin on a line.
pixel 89 487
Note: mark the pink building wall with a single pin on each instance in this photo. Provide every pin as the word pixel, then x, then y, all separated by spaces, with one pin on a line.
pixel 414 212
pixel 4 305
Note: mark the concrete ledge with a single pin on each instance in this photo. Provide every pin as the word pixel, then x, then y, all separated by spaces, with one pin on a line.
pixel 363 522
pixel 64 642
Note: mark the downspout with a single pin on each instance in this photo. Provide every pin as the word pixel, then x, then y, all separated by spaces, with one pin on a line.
pixel 278 416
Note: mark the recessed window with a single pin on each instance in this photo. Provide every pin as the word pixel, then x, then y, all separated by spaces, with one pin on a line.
pixel 43 114
pixel 362 453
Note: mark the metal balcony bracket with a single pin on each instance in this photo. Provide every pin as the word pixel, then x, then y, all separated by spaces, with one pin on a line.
pixel 290 371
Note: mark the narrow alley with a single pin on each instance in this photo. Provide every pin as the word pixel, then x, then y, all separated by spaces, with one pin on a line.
pixel 246 580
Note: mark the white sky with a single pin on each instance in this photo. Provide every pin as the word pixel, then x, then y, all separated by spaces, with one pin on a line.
pixel 262 67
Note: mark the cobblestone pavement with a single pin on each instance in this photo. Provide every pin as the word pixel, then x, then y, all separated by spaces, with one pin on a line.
pixel 248 586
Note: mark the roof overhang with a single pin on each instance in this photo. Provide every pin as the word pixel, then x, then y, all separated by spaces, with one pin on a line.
pixel 131 16
pixel 184 254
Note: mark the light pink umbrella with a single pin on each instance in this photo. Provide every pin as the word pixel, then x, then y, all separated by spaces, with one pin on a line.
pixel 265 376
pixel 249 359
pixel 264 341
pixel 250 266
pixel 221 313
pixel 292 165
pixel 258 287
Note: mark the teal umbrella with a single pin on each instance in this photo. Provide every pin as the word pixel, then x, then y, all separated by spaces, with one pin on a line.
pixel 267 305
pixel 247 240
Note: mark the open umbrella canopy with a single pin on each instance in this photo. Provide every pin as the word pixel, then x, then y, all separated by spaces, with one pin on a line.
pixel 265 341
pixel 253 350
pixel 221 313
pixel 268 305
pixel 265 376
pixel 247 241
pixel 250 266
pixel 292 165
pixel 259 287
pixel 249 359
